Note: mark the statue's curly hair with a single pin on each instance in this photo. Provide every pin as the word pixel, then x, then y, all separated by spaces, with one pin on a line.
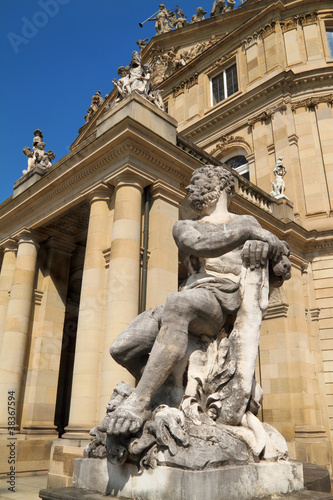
pixel 215 179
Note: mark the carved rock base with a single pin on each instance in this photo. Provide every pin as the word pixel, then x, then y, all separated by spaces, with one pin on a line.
pixel 241 482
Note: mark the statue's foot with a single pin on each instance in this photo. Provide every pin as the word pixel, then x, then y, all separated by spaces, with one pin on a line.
pixel 128 418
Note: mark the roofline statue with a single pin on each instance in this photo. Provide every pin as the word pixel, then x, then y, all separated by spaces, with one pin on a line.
pixel 38 157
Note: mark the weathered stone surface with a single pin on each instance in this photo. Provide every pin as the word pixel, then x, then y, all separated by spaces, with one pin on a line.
pixel 229 483
pixel 196 402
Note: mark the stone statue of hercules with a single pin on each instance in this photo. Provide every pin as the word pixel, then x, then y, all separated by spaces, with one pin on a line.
pixel 214 246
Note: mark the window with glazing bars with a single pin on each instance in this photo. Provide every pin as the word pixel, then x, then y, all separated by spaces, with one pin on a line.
pixel 225 84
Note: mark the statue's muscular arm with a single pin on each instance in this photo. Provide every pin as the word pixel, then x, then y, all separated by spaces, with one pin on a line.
pixel 208 240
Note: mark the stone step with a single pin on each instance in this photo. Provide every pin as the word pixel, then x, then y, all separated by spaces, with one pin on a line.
pixel 78 494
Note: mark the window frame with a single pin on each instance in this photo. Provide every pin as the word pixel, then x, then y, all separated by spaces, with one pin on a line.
pixel 225 88
pixel 242 169
pixel 329 28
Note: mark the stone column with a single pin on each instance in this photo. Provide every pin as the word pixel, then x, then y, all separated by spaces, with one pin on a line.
pixel 6 280
pixel 15 340
pixel 124 279
pixel 89 338
pixel 163 259
pixel 46 340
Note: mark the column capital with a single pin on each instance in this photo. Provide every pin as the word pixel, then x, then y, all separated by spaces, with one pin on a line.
pixel 161 189
pixel 26 235
pixel 9 245
pixel 130 176
pixel 100 192
pixel 130 182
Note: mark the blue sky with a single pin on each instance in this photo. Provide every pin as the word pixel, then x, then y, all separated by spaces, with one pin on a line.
pixel 54 55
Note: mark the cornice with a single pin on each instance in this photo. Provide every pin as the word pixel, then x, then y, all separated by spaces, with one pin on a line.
pixel 92 169
pixel 266 115
pixel 313 102
pixel 299 20
pixel 285 83
pixel 260 34
pixel 20 211
pixel 286 24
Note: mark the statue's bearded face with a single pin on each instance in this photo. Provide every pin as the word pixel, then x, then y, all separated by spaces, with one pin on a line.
pixel 203 191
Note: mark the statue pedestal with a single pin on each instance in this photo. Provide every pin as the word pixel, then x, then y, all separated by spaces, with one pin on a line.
pixel 27 180
pixel 243 482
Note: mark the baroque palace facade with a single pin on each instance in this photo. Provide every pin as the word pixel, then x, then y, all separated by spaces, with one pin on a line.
pixel 87 243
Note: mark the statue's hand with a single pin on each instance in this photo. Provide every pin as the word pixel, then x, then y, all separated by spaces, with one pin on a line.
pixel 255 253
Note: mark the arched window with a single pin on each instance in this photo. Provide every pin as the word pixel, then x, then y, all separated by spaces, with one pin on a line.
pixel 240 164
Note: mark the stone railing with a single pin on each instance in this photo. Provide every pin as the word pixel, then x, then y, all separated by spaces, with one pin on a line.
pixel 280 208
pixel 255 195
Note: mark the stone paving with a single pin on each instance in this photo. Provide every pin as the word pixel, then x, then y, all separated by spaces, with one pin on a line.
pixel 26 487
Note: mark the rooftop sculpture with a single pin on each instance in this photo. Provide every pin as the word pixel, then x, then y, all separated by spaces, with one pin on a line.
pixel 38 157
pixel 279 185
pixel 96 101
pixel 165 62
pixel 166 20
pixel 199 16
pixel 220 7
pixel 196 401
pixel 136 78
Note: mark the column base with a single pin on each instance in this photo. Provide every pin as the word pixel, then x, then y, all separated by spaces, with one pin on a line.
pixel 312 445
pixel 30 451
pixel 77 433
pixel 63 453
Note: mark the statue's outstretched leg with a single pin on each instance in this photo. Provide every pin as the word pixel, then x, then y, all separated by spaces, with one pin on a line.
pixel 132 347
pixel 197 309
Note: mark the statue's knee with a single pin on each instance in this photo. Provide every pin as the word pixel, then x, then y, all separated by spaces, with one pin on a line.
pixel 116 351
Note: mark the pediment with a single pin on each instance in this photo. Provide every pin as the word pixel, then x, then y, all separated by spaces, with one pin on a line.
pixel 170 53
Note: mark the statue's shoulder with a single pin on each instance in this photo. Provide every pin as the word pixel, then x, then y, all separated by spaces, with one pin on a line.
pixel 182 225
pixel 245 219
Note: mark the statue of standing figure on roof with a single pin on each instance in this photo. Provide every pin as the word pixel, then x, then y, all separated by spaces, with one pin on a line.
pixel 230 5
pixel 181 20
pixel 199 16
pixel 220 7
pixel 162 20
pixel 38 157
